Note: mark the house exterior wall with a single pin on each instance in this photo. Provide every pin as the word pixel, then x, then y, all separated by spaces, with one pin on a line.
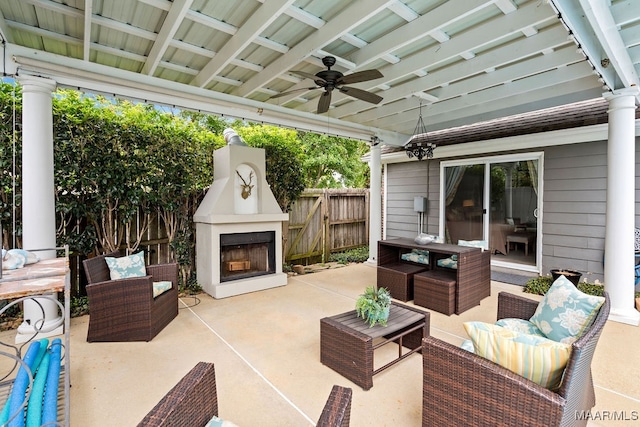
pixel 573 203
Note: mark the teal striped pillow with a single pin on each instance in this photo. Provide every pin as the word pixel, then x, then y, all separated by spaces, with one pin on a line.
pixel 536 358
pixel 160 288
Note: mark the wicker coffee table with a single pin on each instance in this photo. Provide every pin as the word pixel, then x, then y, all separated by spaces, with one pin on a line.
pixel 347 342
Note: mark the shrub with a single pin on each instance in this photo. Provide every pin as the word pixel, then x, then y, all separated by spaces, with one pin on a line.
pixel 540 286
pixel 360 254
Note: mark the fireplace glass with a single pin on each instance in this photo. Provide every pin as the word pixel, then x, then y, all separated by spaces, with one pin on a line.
pixel 244 255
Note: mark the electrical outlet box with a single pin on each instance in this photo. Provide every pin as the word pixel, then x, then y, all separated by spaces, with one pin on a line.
pixel 420 204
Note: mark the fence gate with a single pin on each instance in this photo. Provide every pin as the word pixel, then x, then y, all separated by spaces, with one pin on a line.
pixel 323 221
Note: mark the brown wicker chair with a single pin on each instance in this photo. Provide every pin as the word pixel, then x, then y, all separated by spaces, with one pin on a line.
pixel 194 401
pixel 461 388
pixel 124 309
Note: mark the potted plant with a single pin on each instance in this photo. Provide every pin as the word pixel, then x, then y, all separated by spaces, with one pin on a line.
pixel 572 275
pixel 373 305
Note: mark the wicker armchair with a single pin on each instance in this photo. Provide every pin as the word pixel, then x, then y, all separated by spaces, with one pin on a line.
pixel 461 388
pixel 124 309
pixel 194 401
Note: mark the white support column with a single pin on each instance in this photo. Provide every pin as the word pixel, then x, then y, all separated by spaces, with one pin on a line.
pixel 38 196
pixel 375 203
pixel 619 232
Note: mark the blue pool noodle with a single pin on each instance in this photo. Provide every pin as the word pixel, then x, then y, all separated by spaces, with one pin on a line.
pixel 16 398
pixel 50 402
pixel 34 409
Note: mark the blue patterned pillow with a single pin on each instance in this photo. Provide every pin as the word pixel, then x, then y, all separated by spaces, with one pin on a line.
pixel 126 266
pixel 565 312
pixel 451 262
pixel 417 255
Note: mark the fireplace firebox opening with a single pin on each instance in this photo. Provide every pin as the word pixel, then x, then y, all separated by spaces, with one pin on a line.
pixel 244 255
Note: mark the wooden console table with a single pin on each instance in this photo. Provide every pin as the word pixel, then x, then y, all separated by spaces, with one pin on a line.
pixel 472 276
pixel 43 279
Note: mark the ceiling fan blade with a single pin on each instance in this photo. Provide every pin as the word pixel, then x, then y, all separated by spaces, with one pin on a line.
pixel 289 92
pixel 324 102
pixel 313 77
pixel 361 94
pixel 360 76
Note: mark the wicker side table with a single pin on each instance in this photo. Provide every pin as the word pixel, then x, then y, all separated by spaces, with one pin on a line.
pixel 347 343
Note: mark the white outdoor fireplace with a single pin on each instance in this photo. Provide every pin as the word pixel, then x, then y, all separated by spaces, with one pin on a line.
pixel 239 227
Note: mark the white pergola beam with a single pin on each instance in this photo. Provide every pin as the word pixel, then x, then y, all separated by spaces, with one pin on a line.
pixel 172 22
pixel 351 17
pixel 500 56
pixel 259 20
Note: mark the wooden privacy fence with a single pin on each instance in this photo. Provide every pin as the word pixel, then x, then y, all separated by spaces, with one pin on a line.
pixel 323 221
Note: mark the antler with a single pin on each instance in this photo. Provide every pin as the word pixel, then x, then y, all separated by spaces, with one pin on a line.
pixel 243 181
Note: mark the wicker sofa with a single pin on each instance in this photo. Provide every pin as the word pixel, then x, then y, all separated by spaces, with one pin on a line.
pixel 125 309
pixel 194 401
pixel 462 388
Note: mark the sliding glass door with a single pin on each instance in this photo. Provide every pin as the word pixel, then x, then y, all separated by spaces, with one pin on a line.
pixel 494 199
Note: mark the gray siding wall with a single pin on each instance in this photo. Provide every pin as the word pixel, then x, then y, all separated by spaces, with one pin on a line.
pixel 575 186
pixel 404 182
pixel 574 204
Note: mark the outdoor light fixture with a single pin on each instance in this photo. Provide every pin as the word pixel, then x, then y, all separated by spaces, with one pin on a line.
pixel 418 145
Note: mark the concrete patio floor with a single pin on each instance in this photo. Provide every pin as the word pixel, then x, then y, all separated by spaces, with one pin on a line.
pixel 266 350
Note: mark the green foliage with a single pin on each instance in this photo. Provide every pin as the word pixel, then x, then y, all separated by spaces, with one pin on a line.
pixel 372 303
pixel 79 306
pixel 10 98
pixel 360 254
pixel 540 286
pixel 333 162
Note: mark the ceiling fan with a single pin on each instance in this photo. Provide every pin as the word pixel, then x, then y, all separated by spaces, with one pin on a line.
pixel 331 79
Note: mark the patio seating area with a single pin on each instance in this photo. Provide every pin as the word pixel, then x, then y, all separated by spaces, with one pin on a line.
pixel 266 350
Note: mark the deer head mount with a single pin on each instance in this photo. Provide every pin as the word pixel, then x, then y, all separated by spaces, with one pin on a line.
pixel 246 188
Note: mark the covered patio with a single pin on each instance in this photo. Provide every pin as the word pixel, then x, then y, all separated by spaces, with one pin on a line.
pixel 266 350
pixel 467 61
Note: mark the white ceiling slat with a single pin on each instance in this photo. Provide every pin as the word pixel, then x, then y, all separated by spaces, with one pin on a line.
pixel 501 56
pixel 123 27
pixel 57 8
pixel 4 29
pixel 454 90
pixel 328 33
pixel 210 22
pixel 88 11
pixel 436 19
pixel 179 9
pixel 474 38
pixel 257 22
pixel 518 71
pixel 304 16
pixel 504 97
pixel 403 11
pixel 45 33
pixel 625 12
